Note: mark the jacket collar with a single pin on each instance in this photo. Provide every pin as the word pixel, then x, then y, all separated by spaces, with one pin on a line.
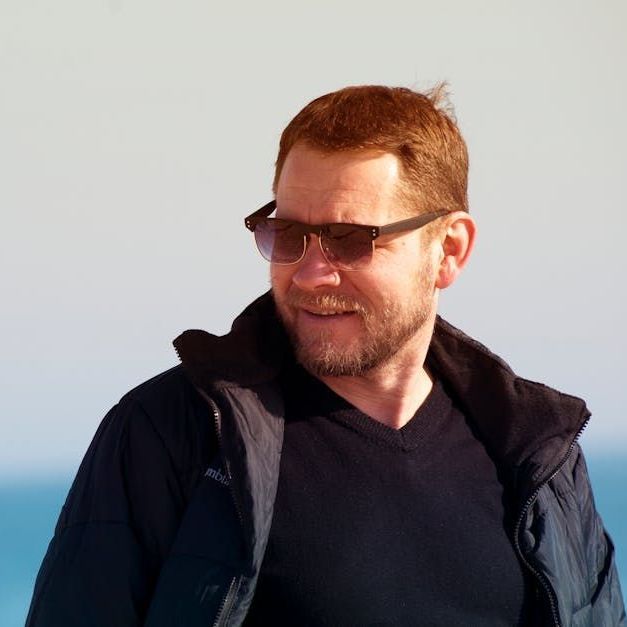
pixel 253 352
pixel 521 422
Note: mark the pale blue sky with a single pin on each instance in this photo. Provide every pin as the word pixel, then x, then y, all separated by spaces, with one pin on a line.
pixel 134 137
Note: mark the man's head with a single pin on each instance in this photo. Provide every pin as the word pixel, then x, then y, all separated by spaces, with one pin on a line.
pixel 368 156
pixel 414 127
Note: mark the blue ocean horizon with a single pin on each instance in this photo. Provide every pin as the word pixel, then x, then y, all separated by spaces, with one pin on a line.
pixel 29 510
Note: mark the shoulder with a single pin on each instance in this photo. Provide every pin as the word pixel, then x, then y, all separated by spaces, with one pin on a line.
pixel 149 449
pixel 169 406
pixel 161 427
pixel 166 399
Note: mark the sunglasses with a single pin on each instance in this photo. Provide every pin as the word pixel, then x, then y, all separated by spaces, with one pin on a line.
pixel 345 246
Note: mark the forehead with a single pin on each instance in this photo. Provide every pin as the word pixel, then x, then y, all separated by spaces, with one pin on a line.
pixel 342 186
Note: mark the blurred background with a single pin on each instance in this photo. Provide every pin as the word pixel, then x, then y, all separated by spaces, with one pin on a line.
pixel 136 135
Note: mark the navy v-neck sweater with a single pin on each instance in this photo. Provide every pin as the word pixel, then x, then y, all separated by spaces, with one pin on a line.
pixel 379 526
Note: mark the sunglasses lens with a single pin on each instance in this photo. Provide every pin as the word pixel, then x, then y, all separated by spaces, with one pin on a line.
pixel 279 241
pixel 346 247
pixel 284 242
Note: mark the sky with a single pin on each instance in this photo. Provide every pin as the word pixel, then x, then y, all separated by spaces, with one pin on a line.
pixel 135 136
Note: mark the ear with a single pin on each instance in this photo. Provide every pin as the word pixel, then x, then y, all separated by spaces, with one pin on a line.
pixel 456 244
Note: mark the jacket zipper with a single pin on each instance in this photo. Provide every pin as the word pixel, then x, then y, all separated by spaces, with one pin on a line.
pixel 217 419
pixel 540 577
pixel 229 597
pixel 227 601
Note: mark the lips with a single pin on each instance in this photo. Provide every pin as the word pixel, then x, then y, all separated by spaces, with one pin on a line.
pixel 316 319
pixel 324 307
pixel 328 313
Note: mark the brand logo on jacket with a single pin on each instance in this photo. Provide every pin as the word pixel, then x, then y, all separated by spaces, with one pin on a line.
pixel 217 475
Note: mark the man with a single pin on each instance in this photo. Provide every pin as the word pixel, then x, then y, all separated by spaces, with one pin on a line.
pixel 343 456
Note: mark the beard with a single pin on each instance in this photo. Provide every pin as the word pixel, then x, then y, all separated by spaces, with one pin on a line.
pixel 383 334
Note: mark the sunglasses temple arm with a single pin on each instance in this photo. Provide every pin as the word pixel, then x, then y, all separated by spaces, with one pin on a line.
pixel 412 223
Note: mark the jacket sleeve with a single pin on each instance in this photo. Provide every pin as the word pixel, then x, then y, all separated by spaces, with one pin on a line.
pixel 114 530
pixel 606 606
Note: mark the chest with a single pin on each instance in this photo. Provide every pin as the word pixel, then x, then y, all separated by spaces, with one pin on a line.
pixel 373 530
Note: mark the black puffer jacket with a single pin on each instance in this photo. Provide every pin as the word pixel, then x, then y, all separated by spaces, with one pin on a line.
pixel 140 542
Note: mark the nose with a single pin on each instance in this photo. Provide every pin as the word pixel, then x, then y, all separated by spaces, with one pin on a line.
pixel 314 270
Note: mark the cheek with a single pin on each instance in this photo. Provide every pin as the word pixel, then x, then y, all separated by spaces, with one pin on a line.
pixel 402 281
pixel 280 278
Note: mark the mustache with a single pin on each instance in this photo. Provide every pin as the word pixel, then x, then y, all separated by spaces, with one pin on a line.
pixel 325 302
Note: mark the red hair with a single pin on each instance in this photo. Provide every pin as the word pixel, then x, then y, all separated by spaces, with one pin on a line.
pixel 415 127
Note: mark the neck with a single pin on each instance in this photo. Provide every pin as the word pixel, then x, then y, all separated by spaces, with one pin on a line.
pixel 392 393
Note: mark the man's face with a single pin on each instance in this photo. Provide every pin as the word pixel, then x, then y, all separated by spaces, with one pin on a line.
pixel 345 323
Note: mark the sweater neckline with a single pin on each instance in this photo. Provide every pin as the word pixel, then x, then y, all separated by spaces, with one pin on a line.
pixel 319 400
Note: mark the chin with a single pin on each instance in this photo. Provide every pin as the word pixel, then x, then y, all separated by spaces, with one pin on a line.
pixel 336 359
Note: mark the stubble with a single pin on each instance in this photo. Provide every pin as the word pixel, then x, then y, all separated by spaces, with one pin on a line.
pixel 383 333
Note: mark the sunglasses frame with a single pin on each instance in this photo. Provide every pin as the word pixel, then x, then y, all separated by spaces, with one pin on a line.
pixel 409 224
